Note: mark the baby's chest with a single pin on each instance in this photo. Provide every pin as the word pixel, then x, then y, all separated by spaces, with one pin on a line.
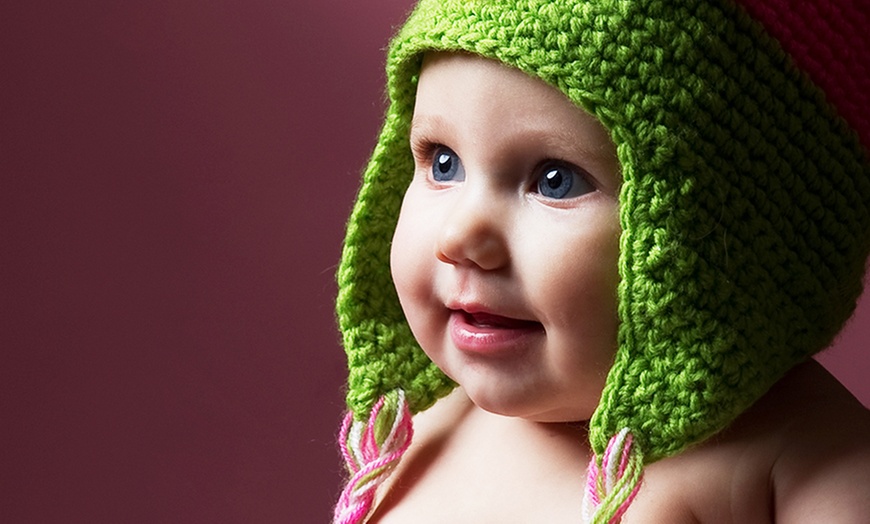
pixel 469 502
pixel 479 491
pixel 683 491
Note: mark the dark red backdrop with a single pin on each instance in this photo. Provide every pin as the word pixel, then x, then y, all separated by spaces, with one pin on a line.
pixel 175 179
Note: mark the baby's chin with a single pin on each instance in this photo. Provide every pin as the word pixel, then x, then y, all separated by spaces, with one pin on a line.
pixel 538 409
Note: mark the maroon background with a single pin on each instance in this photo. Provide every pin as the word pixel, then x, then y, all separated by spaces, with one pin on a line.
pixel 175 179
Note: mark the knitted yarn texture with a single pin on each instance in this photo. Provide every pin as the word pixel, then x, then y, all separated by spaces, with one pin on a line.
pixel 742 130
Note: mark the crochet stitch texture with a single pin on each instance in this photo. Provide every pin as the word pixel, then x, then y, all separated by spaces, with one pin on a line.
pixel 742 131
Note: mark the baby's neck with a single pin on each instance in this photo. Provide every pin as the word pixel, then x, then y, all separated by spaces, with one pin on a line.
pixel 486 464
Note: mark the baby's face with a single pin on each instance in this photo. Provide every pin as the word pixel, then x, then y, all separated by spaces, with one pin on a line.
pixel 505 254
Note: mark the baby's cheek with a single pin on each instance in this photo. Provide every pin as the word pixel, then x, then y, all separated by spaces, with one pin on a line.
pixel 401 249
pixel 411 268
pixel 401 270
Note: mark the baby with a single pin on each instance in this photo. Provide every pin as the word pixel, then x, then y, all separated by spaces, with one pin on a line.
pixel 626 226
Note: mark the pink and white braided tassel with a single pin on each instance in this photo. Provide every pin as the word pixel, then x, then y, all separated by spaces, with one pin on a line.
pixel 372 450
pixel 611 487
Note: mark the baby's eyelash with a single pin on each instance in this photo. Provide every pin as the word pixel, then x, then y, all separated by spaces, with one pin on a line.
pixel 424 149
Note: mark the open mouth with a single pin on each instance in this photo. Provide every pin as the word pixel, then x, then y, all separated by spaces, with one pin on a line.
pixel 492 321
pixel 490 334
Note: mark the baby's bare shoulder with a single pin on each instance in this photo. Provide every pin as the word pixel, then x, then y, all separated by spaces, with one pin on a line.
pixel 800 454
pixel 822 473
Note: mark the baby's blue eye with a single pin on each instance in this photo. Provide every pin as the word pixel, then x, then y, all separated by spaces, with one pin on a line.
pixel 446 166
pixel 559 181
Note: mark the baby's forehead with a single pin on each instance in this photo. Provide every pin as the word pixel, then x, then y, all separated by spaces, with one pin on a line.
pixel 463 89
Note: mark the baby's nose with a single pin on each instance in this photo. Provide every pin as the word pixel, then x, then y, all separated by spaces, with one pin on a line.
pixel 474 233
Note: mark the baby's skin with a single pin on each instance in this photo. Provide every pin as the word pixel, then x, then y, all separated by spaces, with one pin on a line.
pixel 799 455
pixel 505 262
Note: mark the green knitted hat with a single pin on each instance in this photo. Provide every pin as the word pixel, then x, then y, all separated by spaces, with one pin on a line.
pixel 742 129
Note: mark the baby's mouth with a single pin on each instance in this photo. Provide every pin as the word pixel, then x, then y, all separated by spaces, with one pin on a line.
pixel 488 334
pixel 482 320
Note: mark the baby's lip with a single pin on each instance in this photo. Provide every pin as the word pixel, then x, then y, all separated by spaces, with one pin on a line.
pixel 484 333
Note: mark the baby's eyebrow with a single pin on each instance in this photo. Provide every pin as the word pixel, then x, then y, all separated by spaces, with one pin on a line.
pixel 570 142
pixel 593 144
pixel 427 125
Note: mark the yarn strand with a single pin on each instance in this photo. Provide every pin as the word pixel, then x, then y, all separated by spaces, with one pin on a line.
pixel 612 483
pixel 372 449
